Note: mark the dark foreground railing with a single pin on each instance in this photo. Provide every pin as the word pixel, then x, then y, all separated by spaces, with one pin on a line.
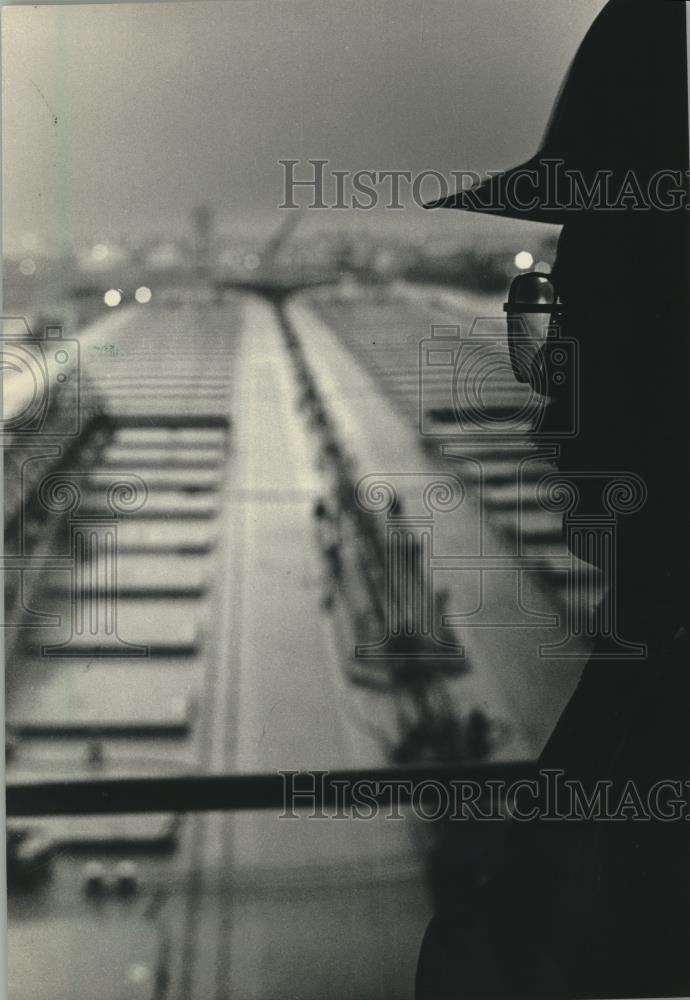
pixel 283 791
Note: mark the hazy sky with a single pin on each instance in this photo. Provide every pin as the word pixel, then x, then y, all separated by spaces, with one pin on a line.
pixel 118 118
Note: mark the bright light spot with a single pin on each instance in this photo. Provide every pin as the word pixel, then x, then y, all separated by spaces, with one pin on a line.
pixel 230 258
pixel 543 267
pixel 524 260
pixel 138 973
pixel 251 261
pixel 99 251
pixel 27 266
pixel 112 297
pixel 143 294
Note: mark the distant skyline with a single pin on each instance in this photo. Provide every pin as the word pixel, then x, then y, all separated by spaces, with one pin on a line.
pixel 118 119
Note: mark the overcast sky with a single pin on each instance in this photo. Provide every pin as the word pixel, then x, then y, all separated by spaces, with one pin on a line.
pixel 119 118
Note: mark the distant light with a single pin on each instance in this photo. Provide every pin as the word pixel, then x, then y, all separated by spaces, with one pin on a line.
pixel 543 267
pixel 99 251
pixel 230 258
pixel 27 266
pixel 143 294
pixel 138 972
pixel 524 260
pixel 112 297
pixel 251 261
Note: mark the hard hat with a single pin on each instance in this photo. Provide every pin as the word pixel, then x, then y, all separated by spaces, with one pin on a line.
pixel 623 107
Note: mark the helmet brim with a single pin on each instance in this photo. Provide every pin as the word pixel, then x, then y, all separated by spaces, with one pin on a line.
pixel 522 192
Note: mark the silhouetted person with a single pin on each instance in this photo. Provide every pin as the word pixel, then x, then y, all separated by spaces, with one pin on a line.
pixel 600 908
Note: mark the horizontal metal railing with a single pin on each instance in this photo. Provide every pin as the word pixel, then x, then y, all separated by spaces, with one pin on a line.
pixel 280 791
